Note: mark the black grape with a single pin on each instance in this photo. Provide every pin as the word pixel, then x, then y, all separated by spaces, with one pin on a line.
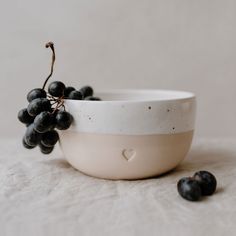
pixel 50 138
pixel 75 95
pixel 90 98
pixel 44 149
pixel 32 137
pixel 36 93
pixel 26 145
pixel 38 105
pixel 56 88
pixel 44 121
pixel 86 91
pixel 63 120
pixel 67 91
pixel 24 116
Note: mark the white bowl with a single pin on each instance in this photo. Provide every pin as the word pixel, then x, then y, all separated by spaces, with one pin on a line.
pixel 130 134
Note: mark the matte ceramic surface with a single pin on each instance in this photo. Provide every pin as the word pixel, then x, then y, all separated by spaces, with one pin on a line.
pixel 131 134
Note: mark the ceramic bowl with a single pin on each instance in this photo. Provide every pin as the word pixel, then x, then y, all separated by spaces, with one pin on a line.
pixel 130 134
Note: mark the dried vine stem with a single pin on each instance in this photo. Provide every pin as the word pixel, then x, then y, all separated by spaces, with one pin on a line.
pixel 51 46
pixel 58 101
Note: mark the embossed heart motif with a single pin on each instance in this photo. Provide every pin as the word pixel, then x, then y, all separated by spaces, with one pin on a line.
pixel 129 154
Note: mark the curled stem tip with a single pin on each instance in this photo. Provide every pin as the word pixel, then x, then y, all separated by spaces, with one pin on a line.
pixel 49 44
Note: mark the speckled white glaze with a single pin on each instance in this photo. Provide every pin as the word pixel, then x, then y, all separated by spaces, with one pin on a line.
pixel 131 134
pixel 135 112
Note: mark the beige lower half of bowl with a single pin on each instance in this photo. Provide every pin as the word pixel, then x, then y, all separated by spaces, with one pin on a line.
pixel 124 156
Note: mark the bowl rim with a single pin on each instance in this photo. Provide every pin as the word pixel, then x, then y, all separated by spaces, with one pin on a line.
pixel 180 95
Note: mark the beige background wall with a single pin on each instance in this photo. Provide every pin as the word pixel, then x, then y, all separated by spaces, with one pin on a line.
pixel 171 44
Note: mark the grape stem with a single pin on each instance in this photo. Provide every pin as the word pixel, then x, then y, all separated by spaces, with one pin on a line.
pixel 60 103
pixel 51 46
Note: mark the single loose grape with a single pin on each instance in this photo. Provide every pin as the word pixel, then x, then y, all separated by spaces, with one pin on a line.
pixel 207 182
pixel 189 189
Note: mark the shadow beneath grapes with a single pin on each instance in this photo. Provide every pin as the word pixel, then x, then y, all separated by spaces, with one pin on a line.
pixel 219 190
pixel 60 163
pixel 215 160
pixel 210 159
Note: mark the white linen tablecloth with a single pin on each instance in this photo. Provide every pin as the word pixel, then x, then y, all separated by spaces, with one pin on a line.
pixel 44 195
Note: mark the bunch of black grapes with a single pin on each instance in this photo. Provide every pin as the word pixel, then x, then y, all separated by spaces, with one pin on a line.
pixel 46 112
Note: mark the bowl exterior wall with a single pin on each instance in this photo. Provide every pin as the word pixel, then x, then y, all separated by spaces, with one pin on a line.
pixel 125 156
pixel 129 139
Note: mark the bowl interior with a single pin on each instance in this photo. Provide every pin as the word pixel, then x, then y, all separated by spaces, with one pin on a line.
pixel 143 95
